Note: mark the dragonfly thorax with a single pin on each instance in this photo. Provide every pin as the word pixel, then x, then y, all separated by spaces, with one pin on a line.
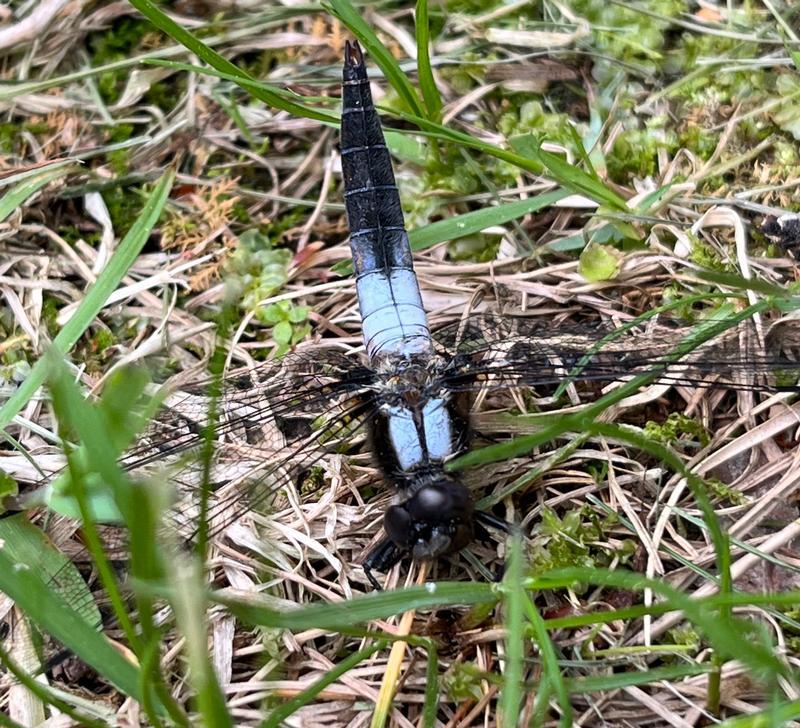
pixel 409 380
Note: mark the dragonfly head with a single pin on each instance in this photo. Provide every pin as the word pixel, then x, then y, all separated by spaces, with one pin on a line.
pixel 436 520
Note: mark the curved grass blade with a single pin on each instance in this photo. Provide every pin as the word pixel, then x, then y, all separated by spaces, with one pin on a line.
pixel 430 94
pixel 344 11
pixel 343 616
pixel 56 617
pixel 32 183
pixel 96 297
pixel 279 100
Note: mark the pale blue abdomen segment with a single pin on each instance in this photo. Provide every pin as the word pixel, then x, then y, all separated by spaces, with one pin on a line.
pixel 404 438
pixel 439 435
pixel 413 448
pixel 392 318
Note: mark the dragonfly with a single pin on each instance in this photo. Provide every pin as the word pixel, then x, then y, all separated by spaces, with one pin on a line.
pixel 413 389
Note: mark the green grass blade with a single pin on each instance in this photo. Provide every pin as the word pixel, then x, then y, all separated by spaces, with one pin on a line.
pixel 208 55
pixel 730 637
pixel 552 670
pixel 27 545
pixel 567 175
pixel 427 83
pixel 106 283
pixel 306 696
pixel 431 703
pixel 514 598
pixel 76 416
pixel 189 604
pixel 357 610
pixel 621 680
pixel 477 220
pixel 25 189
pixel 346 12
pixel 780 715
pixel 269 94
pixel 49 610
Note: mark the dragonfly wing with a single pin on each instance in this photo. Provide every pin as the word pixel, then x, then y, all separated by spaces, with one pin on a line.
pixel 504 351
pixel 273 422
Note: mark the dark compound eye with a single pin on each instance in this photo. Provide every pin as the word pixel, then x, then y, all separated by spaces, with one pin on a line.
pixel 441 503
pixel 398 526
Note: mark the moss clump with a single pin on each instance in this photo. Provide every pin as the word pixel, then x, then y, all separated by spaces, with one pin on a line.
pixel 118 43
pixel 675 429
pixel 575 540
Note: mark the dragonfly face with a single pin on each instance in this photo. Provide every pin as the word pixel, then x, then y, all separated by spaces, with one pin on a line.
pixel 436 520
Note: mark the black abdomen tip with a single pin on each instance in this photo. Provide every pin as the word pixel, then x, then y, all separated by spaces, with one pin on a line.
pixel 353 55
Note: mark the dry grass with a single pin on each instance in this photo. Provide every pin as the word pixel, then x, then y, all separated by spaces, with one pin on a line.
pixel 244 166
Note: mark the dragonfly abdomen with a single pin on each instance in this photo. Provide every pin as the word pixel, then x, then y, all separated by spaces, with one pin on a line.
pixel 393 319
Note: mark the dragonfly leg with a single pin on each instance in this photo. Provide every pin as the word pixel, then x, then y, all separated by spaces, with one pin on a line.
pixel 484 518
pixel 382 557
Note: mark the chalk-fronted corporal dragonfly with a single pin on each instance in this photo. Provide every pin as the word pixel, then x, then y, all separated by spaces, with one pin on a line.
pixel 413 388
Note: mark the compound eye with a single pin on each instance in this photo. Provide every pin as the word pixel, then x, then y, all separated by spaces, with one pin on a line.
pixel 431 501
pixel 397 524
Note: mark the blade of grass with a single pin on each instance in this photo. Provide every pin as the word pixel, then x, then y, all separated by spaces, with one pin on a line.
pixel 431 703
pixel 513 598
pixel 26 544
pixel 726 636
pixel 49 610
pixel 95 299
pixel 206 54
pixel 552 672
pixel 76 416
pixel 351 18
pixel 621 680
pixel 269 94
pixel 469 223
pixel 573 178
pixel 189 604
pixel 100 430
pixel 427 83
pixel 25 189
pixel 360 609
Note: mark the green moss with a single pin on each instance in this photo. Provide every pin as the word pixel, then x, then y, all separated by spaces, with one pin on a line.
pixel 119 42
pixel 11 139
pixel 102 340
pixel 124 205
pixel 621 34
pixel 463 681
pixel 675 429
pixel 723 492
pixel 575 539
pixel 119 159
pixel 635 151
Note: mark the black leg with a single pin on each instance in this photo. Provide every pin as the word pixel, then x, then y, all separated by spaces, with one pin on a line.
pixel 382 557
pixel 487 519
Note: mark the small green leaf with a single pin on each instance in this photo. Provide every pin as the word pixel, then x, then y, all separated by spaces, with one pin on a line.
pixel 8 487
pixel 271 315
pixel 599 262
pixel 298 314
pixel 282 332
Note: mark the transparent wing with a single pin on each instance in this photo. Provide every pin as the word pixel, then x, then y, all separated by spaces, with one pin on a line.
pixel 274 422
pixel 491 351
